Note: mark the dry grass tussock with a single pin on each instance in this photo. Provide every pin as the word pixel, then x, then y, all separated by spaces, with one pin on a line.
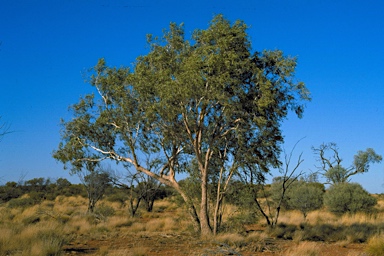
pixel 120 221
pixel 321 216
pixel 375 246
pixel 291 217
pixel 137 251
pixel 324 217
pixel 70 204
pixel 232 239
pixel 43 229
pixel 45 238
pixel 380 201
pixel 254 242
pixel 163 224
pixel 155 225
pixel 303 248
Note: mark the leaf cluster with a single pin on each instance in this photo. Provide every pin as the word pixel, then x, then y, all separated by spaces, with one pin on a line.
pixel 348 198
pixel 332 169
pixel 211 100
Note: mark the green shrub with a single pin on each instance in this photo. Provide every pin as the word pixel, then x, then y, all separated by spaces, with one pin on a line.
pixel 104 211
pixel 283 231
pixel 306 197
pixel 21 202
pixel 237 222
pixel 118 197
pixel 321 232
pixel 37 196
pixel 348 198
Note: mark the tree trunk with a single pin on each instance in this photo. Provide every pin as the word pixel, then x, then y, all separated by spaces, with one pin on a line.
pixel 149 204
pixel 133 206
pixel 262 211
pixel 206 229
pixel 217 215
pixel 91 206
pixel 170 181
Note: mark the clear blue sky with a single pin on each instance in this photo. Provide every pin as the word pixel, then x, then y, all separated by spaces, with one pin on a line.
pixel 47 47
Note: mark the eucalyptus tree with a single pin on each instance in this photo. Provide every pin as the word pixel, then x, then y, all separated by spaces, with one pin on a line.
pixel 210 99
pixel 332 169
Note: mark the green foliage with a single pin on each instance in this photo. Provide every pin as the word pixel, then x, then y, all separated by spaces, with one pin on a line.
pixel 240 194
pixel 236 222
pixel 104 211
pixel 331 166
pixel 305 197
pixel 283 231
pixel 96 183
pixel 348 198
pixel 336 174
pixel 356 233
pixel 118 196
pixel 10 191
pixel 322 232
pixel 39 189
pixel 277 190
pixel 363 159
pixel 210 99
pixel 21 202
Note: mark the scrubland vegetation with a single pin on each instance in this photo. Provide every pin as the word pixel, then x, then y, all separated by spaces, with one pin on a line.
pixel 63 225
pixel 210 108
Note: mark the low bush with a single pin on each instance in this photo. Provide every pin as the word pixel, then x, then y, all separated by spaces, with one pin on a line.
pixel 21 202
pixel 234 240
pixel 118 197
pixel 104 211
pixel 375 246
pixel 321 232
pixel 304 248
pixel 236 222
pixel 348 198
pixel 283 231
pixel 355 233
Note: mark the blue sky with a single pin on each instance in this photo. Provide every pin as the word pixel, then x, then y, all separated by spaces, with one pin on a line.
pixel 47 47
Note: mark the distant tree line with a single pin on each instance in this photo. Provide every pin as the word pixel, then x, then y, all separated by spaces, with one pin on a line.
pixel 39 189
pixel 94 186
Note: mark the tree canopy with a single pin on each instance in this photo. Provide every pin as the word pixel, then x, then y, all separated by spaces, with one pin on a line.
pixel 348 198
pixel 210 99
pixel 334 172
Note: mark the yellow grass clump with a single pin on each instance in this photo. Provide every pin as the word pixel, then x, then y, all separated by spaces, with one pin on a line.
pixel 375 246
pixel 321 216
pixel 120 221
pixel 303 248
pixel 137 251
pixel 78 224
pixel 163 224
pixel 41 239
pixel 232 239
pixel 291 217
